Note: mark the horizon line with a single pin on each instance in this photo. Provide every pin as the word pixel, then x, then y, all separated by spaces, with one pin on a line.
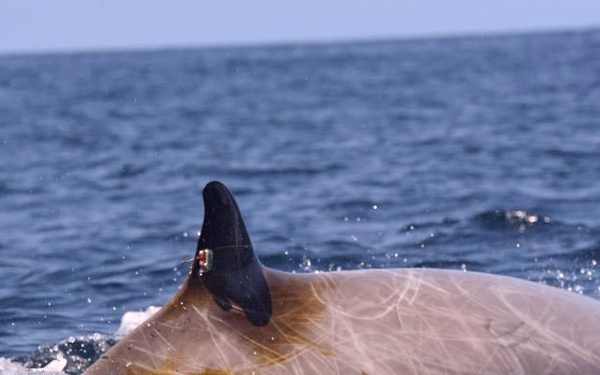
pixel 296 42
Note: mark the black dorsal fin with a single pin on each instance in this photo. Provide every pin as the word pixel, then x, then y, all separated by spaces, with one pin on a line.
pixel 234 274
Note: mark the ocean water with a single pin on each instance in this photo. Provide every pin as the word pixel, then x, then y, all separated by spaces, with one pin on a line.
pixel 475 154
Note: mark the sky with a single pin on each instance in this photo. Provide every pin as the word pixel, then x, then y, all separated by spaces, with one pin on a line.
pixel 67 25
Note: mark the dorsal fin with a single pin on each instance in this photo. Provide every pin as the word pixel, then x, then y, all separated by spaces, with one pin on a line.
pixel 234 273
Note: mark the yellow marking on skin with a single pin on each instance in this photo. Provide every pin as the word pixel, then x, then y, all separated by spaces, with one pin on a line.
pixel 169 369
pixel 296 318
pixel 212 371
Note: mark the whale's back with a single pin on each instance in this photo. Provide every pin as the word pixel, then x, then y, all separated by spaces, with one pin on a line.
pixel 372 322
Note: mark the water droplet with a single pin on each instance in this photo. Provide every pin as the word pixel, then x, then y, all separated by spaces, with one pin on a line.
pixel 306 264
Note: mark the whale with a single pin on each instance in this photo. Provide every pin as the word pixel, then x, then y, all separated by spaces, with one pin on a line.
pixel 232 315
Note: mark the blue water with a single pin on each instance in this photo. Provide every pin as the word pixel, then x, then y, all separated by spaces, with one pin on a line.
pixel 475 153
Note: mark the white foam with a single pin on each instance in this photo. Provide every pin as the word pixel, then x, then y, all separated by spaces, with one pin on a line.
pixel 132 319
pixel 8 367
pixel 129 321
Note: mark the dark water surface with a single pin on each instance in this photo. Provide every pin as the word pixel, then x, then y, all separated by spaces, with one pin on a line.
pixel 481 154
